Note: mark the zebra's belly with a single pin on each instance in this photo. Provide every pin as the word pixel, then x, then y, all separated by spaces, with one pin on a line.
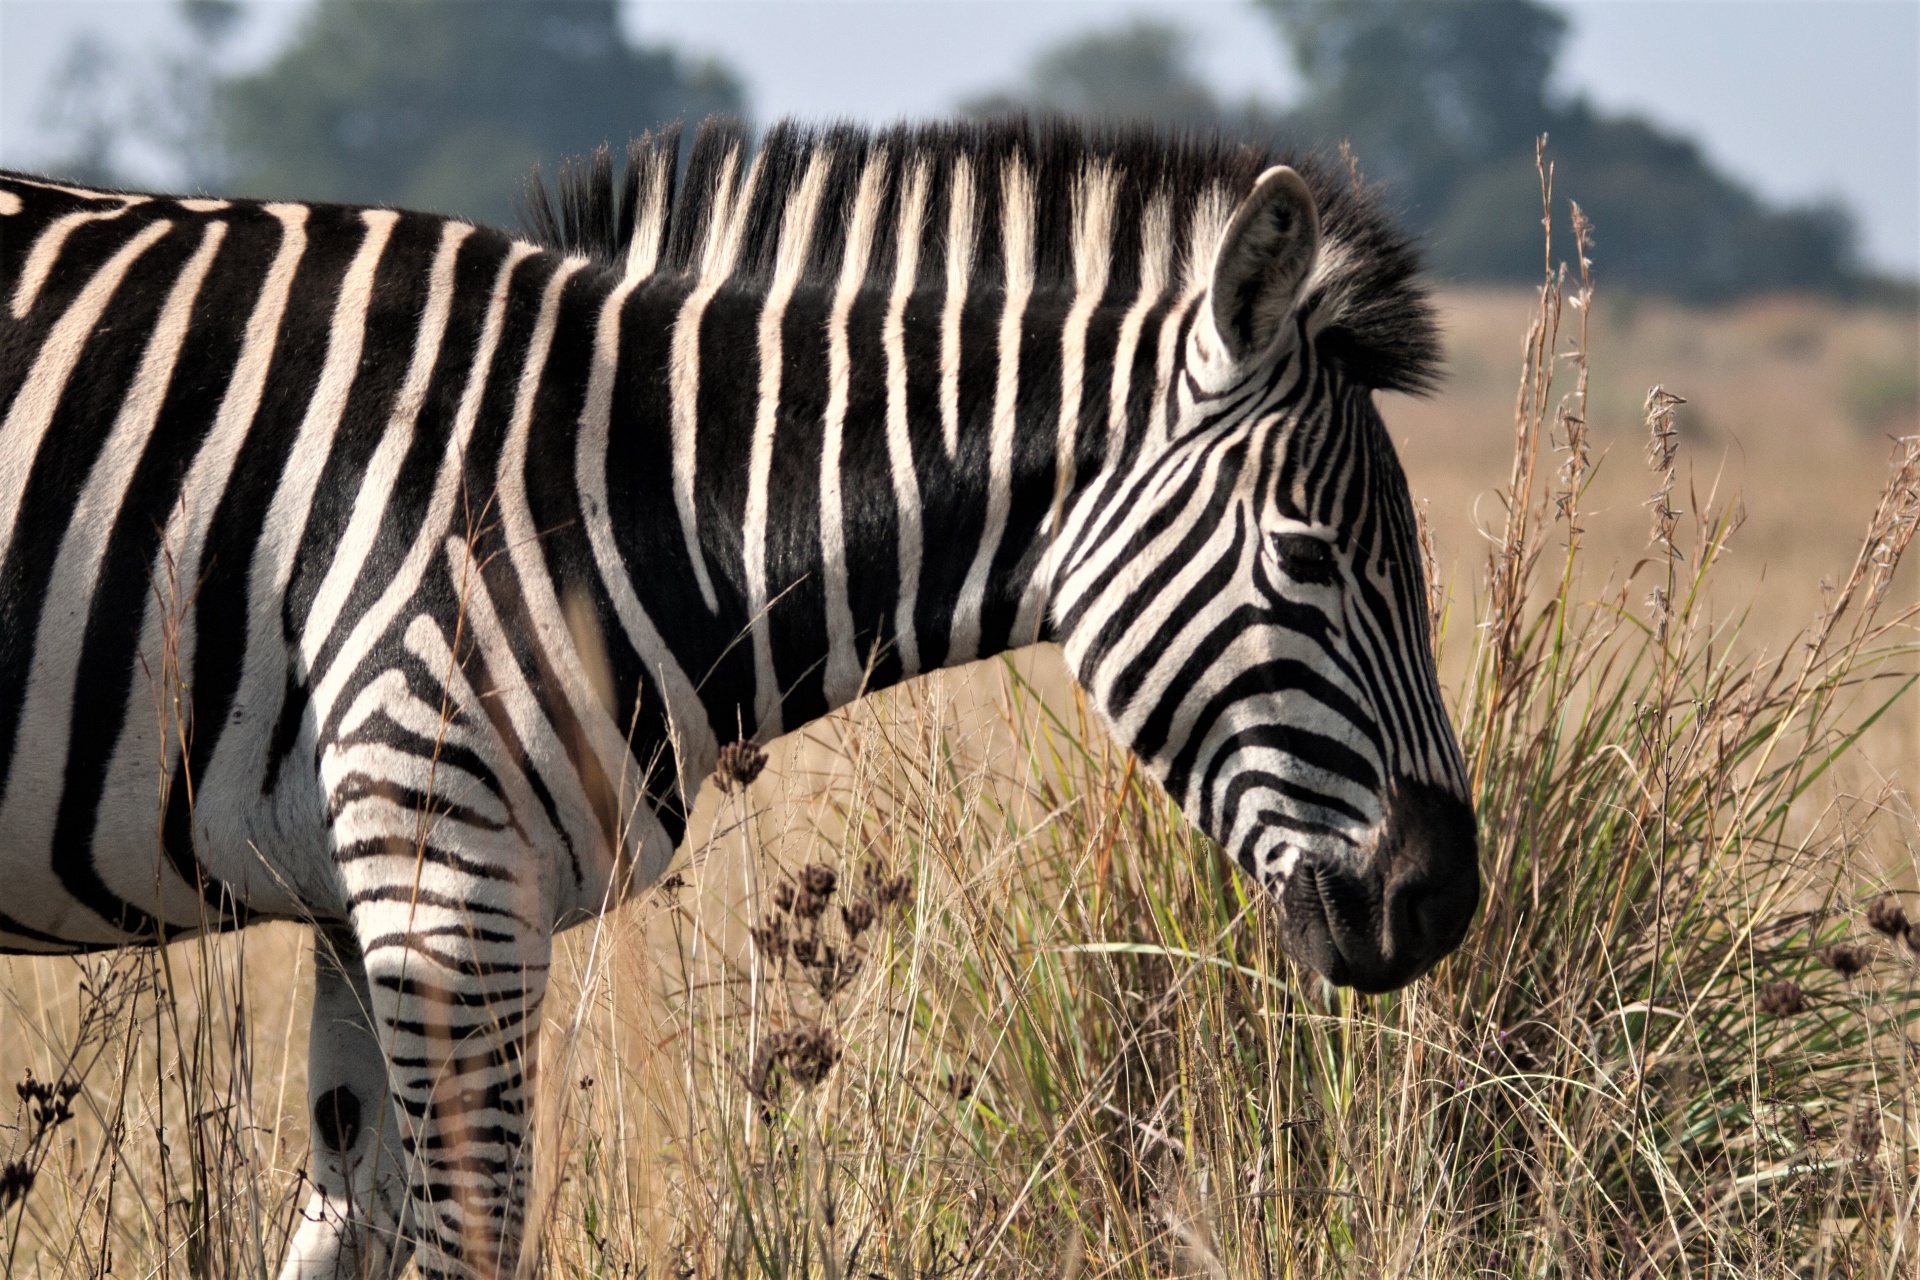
pixel 122 857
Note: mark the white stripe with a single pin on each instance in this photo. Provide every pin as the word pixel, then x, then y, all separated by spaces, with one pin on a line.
pixel 650 222
pixel 33 407
pixel 168 635
pixel 1092 255
pixel 1205 227
pixel 960 234
pixel 1093 197
pixel 46 250
pixel 842 678
pixel 383 468
pixel 796 236
pixel 373 624
pixel 604 739
pixel 1166 362
pixel 1097 508
pixel 1016 221
pixel 725 226
pixel 67 189
pixel 35 787
pixel 694 746
pixel 286 520
pixel 201 205
pixel 240 760
pixel 9 204
pixel 906 479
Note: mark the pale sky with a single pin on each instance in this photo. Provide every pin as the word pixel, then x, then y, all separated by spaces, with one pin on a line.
pixel 1801 98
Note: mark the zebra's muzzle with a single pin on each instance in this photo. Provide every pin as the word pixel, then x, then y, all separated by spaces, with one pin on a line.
pixel 1378 926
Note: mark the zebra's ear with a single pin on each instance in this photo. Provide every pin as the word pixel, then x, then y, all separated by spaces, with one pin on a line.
pixel 1264 258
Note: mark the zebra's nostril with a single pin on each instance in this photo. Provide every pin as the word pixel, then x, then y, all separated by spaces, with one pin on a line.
pixel 1433 875
pixel 1432 916
pixel 336 1118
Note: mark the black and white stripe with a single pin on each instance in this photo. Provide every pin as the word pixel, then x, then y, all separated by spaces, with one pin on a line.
pixel 373 568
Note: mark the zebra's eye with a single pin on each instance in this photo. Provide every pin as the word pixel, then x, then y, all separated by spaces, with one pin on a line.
pixel 1304 558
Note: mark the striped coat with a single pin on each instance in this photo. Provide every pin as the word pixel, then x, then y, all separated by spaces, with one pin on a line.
pixel 378 570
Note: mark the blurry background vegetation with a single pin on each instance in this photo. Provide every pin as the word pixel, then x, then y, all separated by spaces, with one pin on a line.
pixel 444 104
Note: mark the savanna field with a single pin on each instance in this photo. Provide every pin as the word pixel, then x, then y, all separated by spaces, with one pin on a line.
pixel 950 990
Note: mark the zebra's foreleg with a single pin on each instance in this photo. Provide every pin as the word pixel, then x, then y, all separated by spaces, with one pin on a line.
pixel 456 948
pixel 352 1225
pixel 446 885
pixel 457 1000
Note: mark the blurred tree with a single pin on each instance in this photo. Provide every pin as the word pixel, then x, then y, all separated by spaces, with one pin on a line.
pixel 1142 71
pixel 1425 92
pixel 1442 99
pixel 444 104
pixel 82 113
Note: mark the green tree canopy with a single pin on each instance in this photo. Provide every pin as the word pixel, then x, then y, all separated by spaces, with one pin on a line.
pixel 1443 99
pixel 445 104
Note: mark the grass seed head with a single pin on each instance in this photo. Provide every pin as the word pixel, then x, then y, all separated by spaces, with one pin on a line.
pixel 1846 958
pixel 739 764
pixel 1888 917
pixel 1782 999
pixel 771 937
pixel 16 1179
pixel 806 1054
pixel 857 916
pixel 894 890
pixel 818 879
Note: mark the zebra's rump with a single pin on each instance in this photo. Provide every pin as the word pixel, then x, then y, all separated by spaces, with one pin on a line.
pixel 172 493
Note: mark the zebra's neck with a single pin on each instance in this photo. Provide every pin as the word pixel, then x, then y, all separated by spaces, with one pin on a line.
pixel 821 491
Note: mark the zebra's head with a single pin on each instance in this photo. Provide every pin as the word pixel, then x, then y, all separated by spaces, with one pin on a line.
pixel 1243 597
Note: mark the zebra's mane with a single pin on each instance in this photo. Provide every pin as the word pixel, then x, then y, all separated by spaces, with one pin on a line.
pixel 1157 203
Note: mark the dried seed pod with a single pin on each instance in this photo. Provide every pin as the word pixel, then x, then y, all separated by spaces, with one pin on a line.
pixel 771 938
pixel 806 950
pixel 1782 999
pixel 833 970
pixel 896 890
pixel 958 1085
pixel 1845 958
pixel 819 880
pixel 674 882
pixel 783 896
pixel 807 1053
pixel 739 764
pixel 857 916
pixel 1886 916
pixel 760 1080
pixel 808 906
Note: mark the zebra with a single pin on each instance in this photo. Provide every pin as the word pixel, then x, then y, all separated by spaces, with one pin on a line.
pixel 393 574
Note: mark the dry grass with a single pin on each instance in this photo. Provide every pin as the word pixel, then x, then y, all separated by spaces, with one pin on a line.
pixel 1037 1027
